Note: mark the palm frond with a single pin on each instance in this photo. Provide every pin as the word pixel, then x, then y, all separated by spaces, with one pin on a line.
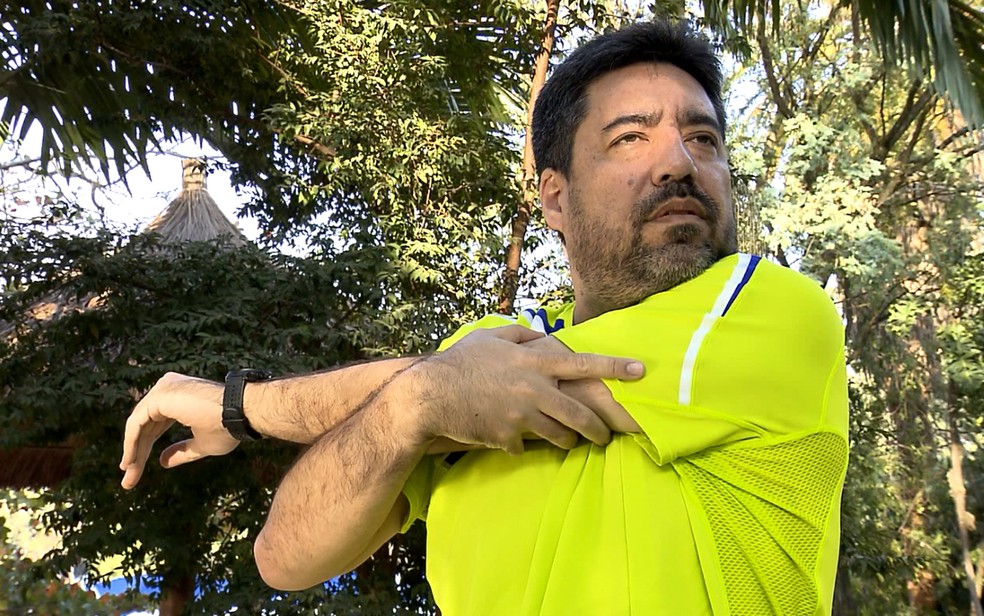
pixel 944 38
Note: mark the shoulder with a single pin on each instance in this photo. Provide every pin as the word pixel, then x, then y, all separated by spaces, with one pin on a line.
pixel 789 280
pixel 792 294
pixel 545 320
pixel 487 322
pixel 791 307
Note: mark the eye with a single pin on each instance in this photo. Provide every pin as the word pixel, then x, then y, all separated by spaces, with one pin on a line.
pixel 627 138
pixel 705 139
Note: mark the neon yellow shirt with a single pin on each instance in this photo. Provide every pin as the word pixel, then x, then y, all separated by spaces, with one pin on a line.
pixel 728 501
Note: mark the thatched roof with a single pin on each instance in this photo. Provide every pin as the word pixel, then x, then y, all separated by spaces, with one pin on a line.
pixel 191 216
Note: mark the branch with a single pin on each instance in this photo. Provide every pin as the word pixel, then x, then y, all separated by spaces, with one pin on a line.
pixel 980 570
pixel 906 155
pixel 972 151
pixel 859 95
pixel 286 76
pixel 134 61
pixel 879 316
pixel 770 73
pixel 811 51
pixel 913 108
pixel 24 162
pixel 324 150
pixel 956 135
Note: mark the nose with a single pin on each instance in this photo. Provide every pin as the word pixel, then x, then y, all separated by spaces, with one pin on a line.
pixel 672 161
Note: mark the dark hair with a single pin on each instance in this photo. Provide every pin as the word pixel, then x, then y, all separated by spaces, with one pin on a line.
pixel 561 105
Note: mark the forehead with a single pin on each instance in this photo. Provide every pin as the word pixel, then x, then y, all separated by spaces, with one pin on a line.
pixel 658 88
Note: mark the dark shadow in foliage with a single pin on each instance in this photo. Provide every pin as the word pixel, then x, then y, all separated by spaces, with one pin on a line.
pixel 199 310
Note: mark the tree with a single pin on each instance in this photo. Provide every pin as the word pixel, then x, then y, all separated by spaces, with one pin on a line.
pixel 80 374
pixel 935 37
pixel 360 128
pixel 864 180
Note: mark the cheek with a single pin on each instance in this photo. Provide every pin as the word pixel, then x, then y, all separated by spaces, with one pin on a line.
pixel 717 184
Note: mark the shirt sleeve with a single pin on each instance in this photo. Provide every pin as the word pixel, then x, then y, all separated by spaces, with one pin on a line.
pixel 762 371
pixel 417 490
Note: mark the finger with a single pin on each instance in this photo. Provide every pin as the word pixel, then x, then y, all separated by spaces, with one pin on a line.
pixel 180 453
pixel 143 423
pixel 575 416
pixel 138 460
pixel 514 333
pixel 543 426
pixel 146 440
pixel 132 476
pixel 514 445
pixel 571 367
pixel 547 344
pixel 131 435
pixel 595 395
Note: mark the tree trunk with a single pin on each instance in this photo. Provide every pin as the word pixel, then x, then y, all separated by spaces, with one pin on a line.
pixel 844 603
pixel 980 570
pixel 965 519
pixel 177 593
pixel 921 586
pixel 510 278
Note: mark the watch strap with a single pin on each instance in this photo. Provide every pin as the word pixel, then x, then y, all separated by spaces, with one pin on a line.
pixel 233 418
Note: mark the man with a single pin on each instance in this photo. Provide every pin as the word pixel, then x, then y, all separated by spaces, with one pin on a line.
pixel 711 485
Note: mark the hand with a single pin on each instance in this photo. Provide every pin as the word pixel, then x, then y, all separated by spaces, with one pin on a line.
pixel 590 392
pixel 194 402
pixel 491 389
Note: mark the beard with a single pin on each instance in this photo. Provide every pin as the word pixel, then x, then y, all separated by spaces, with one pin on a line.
pixel 617 273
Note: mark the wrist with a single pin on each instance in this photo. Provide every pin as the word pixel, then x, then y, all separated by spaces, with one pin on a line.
pixel 234 419
pixel 265 407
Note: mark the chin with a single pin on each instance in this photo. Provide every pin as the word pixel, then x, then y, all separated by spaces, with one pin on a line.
pixel 656 270
pixel 677 263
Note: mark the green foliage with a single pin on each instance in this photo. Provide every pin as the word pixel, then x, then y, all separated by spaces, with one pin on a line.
pixel 197 309
pixel 943 38
pixel 375 138
pixel 864 181
pixel 104 80
pixel 30 588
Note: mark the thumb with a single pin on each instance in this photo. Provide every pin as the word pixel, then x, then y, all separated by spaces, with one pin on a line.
pixel 180 453
pixel 515 333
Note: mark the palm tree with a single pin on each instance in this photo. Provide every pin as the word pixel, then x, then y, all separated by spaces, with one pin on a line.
pixel 944 38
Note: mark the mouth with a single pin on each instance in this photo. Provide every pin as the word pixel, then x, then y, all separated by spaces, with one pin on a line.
pixel 678 209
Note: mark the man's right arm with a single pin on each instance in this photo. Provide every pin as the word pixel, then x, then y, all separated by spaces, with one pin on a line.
pixel 301 409
pixel 342 500
pixel 297 409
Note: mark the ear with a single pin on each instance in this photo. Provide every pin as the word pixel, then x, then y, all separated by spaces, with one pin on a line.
pixel 554 199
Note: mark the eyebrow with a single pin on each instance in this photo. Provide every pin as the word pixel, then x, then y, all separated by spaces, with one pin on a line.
pixel 646 119
pixel 696 117
pixel 690 117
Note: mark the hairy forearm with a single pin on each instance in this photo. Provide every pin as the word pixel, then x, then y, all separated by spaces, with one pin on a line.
pixel 337 504
pixel 301 409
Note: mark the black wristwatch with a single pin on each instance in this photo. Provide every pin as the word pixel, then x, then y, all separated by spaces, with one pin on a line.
pixel 233 418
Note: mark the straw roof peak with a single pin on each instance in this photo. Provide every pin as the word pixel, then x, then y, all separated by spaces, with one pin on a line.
pixel 193 216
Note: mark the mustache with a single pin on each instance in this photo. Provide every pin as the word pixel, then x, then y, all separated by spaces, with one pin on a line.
pixel 647 206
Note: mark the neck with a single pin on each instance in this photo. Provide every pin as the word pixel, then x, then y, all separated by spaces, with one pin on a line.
pixel 586 308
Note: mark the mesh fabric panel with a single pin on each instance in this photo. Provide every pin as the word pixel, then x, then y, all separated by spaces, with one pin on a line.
pixel 768 509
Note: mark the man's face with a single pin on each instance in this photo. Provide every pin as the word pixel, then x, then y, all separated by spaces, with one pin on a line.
pixel 647 204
